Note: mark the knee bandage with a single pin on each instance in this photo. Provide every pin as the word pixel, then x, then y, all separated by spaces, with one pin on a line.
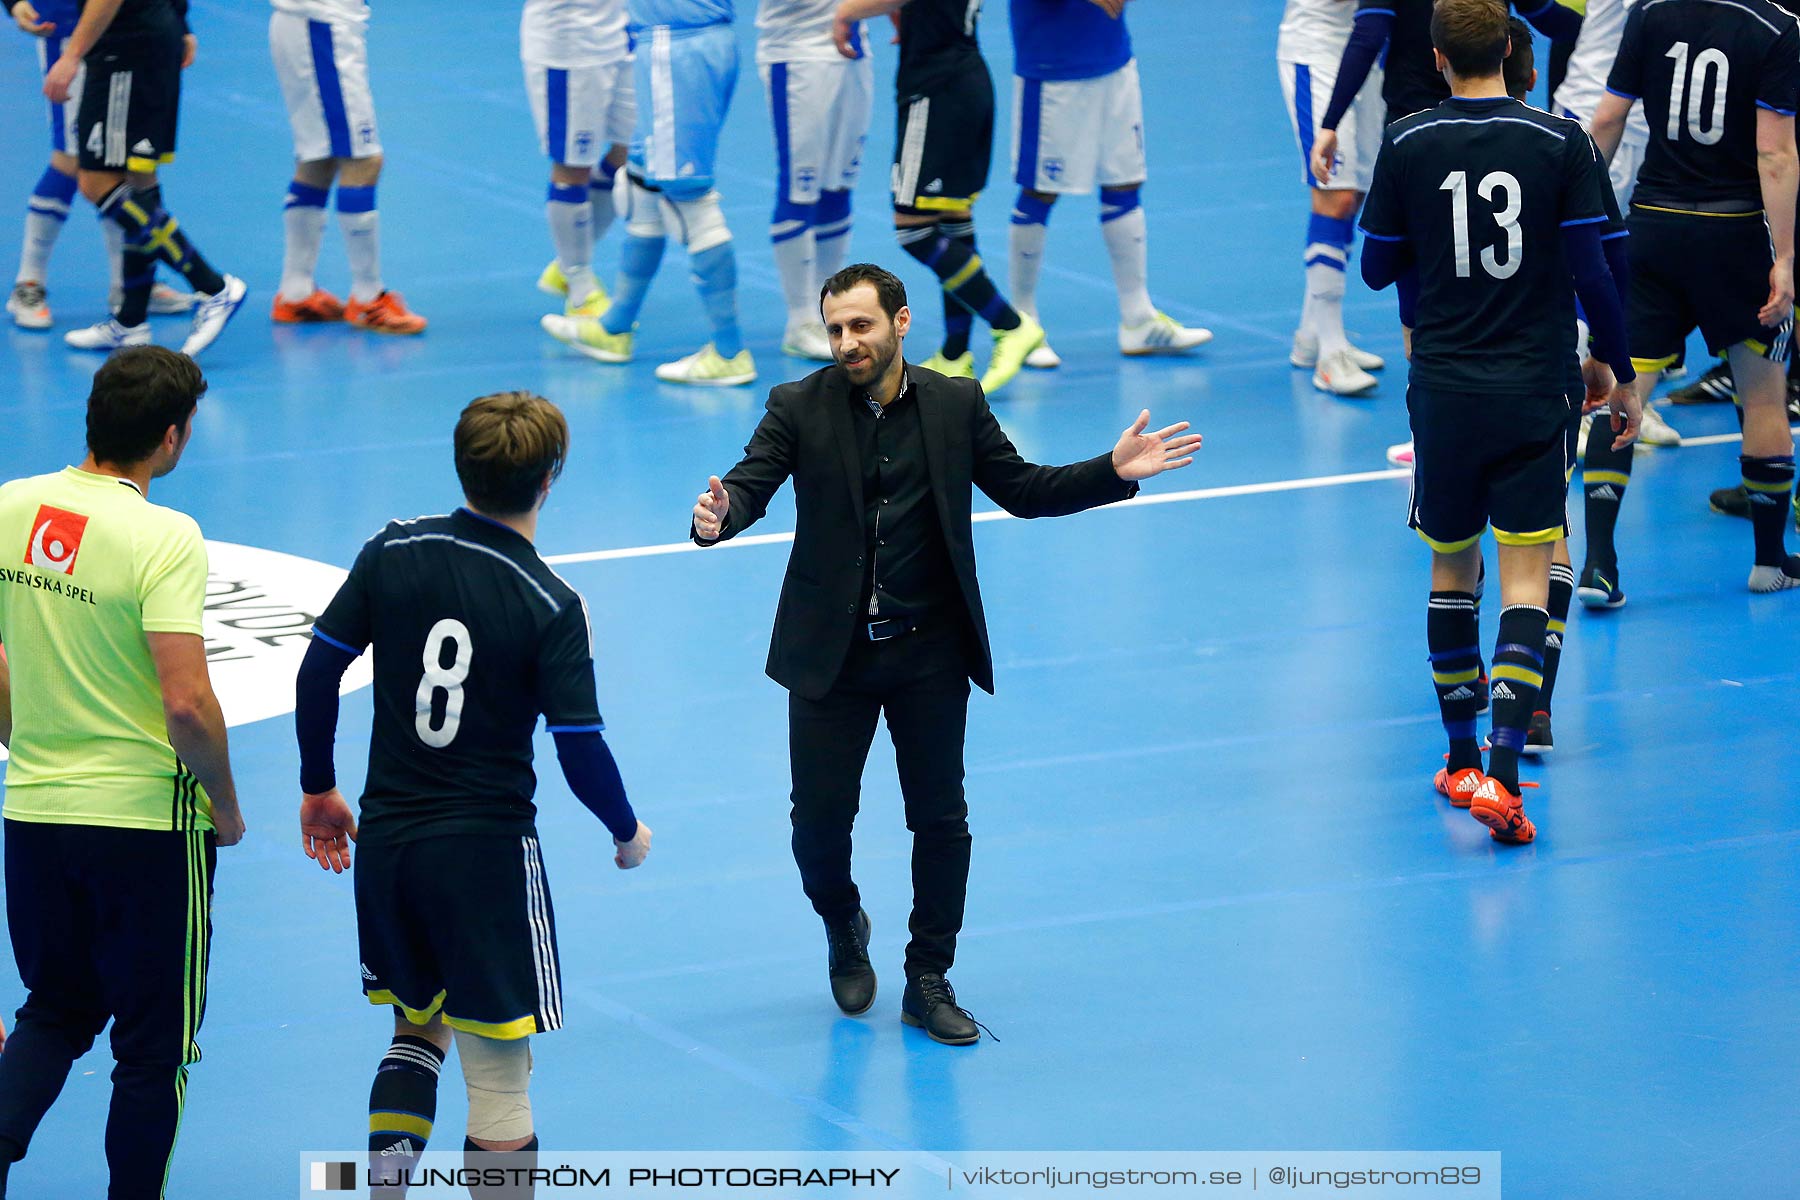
pixel 641 208
pixel 497 1074
pixel 702 222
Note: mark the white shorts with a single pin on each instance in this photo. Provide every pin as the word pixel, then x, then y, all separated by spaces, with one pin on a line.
pixel 324 72
pixel 63 138
pixel 1070 134
pixel 1307 87
pixel 581 112
pixel 1626 161
pixel 820 110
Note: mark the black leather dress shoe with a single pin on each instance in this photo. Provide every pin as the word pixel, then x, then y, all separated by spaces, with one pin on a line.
pixel 930 1004
pixel 852 978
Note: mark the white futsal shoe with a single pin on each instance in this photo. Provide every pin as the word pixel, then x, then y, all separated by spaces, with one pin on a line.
pixel 1161 334
pixel 1305 353
pixel 1340 374
pixel 107 336
pixel 213 314
pixel 807 340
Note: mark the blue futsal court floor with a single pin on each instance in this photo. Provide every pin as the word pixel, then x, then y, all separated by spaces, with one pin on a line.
pixel 1215 902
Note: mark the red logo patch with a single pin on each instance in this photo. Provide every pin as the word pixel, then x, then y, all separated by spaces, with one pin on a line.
pixel 55 539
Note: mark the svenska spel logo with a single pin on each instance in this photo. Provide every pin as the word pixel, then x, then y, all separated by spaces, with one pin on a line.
pixel 55 539
pixel 333 1177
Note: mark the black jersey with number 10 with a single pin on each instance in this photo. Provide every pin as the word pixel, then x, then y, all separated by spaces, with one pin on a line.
pixel 474 637
pixel 1702 69
pixel 1480 190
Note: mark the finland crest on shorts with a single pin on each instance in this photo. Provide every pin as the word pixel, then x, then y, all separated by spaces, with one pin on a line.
pixel 1071 134
pixel 820 112
pixel 323 67
pixel 581 111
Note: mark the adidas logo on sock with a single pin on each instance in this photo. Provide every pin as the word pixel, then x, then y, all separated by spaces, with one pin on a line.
pixel 1553 641
pixel 1763 498
pixel 1461 693
pixel 1502 692
pixel 1603 492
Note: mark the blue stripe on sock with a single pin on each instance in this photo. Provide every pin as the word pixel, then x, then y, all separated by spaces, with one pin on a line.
pixel 1303 117
pixel 1514 648
pixel 356 199
pixel 1504 738
pixel 1117 202
pixel 331 93
pixel 54 185
pixel 572 193
pixel 834 207
pixel 1030 210
pixel 1330 231
pixel 1452 655
pixel 1325 260
pixel 1031 113
pixel 556 106
pixel 304 195
pixel 1460 730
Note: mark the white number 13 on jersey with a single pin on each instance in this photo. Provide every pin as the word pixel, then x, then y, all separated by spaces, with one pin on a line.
pixel 1507 217
pixel 448 679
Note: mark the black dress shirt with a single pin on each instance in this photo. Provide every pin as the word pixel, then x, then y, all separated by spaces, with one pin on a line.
pixel 909 572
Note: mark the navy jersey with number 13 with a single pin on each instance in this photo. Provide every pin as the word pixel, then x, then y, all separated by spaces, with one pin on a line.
pixel 474 637
pixel 1480 190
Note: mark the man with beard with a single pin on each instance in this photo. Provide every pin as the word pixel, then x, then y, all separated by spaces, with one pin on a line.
pixel 880 611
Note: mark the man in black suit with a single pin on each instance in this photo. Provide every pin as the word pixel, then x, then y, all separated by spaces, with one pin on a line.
pixel 880 611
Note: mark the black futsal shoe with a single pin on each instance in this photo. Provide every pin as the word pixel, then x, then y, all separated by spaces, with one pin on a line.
pixel 852 978
pixel 930 1004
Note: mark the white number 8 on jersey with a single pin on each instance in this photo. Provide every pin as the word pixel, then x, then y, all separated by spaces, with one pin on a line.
pixel 449 679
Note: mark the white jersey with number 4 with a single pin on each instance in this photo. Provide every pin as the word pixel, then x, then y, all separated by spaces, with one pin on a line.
pixel 573 33
pixel 1591 61
pixel 1313 31
pixel 337 12
pixel 798 31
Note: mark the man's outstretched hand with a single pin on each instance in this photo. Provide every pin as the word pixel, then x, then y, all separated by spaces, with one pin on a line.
pixel 1140 455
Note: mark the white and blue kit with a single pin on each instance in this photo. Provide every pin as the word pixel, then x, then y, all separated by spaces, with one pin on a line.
pixel 686 70
pixel 1078 111
pixel 1307 51
pixel 578 77
pixel 1602 28
pixel 64 14
pixel 321 54
pixel 819 101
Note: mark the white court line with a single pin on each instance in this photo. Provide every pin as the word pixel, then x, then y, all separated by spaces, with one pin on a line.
pixel 772 539
pixel 1214 493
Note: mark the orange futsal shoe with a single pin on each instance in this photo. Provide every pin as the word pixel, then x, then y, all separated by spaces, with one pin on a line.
pixel 318 307
pixel 1503 814
pixel 1458 787
pixel 386 313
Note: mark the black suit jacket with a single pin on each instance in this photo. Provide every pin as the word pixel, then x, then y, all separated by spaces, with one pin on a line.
pixel 807 434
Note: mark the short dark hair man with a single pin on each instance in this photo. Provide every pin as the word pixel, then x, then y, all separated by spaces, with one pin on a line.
pixel 119 788
pixel 474 637
pixel 881 613
pixel 1496 207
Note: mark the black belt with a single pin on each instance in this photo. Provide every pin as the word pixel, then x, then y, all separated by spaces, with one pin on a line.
pixel 892 627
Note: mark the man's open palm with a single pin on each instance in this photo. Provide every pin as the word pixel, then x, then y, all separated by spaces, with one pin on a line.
pixel 1140 455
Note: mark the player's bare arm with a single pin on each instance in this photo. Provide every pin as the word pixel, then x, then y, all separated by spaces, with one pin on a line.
pixel 96 18
pixel 1779 170
pixel 852 11
pixel 197 725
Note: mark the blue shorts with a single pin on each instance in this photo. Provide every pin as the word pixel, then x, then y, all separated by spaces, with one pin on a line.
pixel 684 82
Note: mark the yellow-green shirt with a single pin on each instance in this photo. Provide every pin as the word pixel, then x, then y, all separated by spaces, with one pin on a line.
pixel 88 566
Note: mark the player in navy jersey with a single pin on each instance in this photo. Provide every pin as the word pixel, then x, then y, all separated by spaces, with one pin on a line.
pixel 942 148
pixel 1485 211
pixel 51 22
pixel 1079 122
pixel 131 54
pixel 1712 245
pixel 1398 33
pixel 474 637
